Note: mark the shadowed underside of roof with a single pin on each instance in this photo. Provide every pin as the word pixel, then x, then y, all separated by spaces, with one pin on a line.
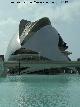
pixel 24 51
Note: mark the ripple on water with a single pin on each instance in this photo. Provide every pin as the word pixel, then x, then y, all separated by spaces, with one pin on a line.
pixel 40 91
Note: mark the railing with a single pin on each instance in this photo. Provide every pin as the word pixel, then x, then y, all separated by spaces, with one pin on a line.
pixel 61 63
pixel 32 66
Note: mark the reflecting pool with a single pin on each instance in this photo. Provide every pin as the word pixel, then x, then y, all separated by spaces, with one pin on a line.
pixel 40 91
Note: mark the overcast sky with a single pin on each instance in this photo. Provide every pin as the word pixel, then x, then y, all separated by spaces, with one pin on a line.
pixel 64 17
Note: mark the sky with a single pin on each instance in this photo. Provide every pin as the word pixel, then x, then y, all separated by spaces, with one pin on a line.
pixel 64 17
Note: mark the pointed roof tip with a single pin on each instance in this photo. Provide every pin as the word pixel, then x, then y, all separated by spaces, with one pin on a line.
pixel 46 19
pixel 41 19
pixel 36 25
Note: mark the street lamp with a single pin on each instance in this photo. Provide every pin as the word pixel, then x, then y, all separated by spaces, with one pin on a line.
pixel 39 55
pixel 19 63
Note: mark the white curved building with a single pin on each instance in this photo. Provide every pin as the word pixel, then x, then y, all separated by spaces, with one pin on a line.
pixel 40 37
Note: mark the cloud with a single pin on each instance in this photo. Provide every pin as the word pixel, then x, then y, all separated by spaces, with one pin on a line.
pixel 64 12
pixel 26 4
pixel 3 42
pixel 7 21
pixel 68 12
pixel 7 28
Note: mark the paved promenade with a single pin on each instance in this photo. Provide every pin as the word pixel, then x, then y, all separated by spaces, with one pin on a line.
pixel 42 64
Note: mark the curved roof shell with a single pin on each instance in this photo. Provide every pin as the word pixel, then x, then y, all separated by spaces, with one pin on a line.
pixel 40 36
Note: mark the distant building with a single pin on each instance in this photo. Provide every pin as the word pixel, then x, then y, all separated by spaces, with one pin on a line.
pixel 1 58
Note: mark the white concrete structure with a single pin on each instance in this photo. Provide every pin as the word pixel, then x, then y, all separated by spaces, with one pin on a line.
pixel 40 37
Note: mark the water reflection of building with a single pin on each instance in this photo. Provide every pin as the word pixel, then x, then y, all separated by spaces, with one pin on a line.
pixel 39 40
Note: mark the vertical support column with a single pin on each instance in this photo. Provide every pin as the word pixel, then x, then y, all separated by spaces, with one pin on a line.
pixel 19 66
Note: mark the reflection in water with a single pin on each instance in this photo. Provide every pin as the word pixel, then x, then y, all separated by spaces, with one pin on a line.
pixel 40 91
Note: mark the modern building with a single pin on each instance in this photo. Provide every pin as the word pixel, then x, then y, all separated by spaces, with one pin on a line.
pixel 41 38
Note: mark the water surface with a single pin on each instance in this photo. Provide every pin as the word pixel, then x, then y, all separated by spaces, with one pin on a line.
pixel 40 91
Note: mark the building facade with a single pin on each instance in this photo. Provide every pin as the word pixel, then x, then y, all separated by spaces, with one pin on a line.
pixel 41 37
